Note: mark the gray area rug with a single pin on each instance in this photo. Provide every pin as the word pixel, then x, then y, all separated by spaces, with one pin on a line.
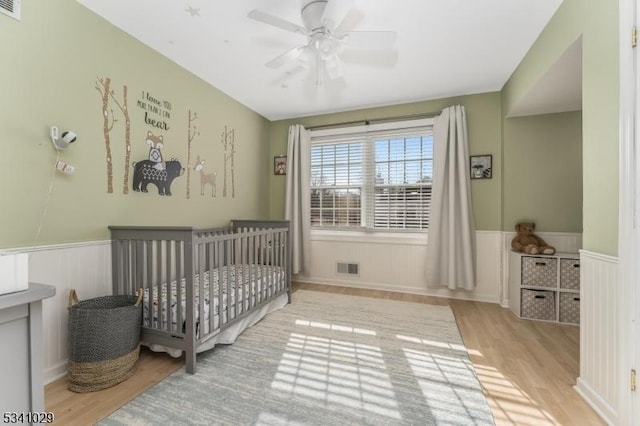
pixel 326 359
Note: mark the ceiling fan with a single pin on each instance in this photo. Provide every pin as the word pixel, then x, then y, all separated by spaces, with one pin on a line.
pixel 326 40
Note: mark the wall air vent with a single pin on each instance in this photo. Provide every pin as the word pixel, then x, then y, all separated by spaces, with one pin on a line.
pixel 347 268
pixel 11 8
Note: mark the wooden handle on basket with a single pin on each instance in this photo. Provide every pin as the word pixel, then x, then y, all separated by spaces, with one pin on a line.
pixel 73 298
pixel 140 294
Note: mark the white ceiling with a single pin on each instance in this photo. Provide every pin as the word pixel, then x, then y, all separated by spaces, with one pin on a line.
pixel 444 48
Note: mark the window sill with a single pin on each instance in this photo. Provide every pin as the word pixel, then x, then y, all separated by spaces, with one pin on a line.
pixel 368 237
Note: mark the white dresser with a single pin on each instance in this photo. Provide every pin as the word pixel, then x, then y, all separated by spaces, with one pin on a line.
pixel 21 356
pixel 545 288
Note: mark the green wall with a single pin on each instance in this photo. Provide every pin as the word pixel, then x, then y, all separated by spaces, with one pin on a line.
pixel 484 127
pixel 597 22
pixel 52 62
pixel 543 172
pixel 58 53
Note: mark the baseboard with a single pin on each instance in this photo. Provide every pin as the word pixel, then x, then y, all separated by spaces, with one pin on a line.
pixel 444 293
pixel 54 373
pixel 598 404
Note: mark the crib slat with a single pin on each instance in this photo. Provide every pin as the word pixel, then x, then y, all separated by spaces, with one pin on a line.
pixel 201 255
pixel 190 332
pixel 131 283
pixel 228 266
pixel 157 269
pixel 264 252
pixel 180 316
pixel 145 270
pixel 256 267
pixel 168 279
pixel 251 303
pixel 237 281
pixel 268 264
pixel 219 283
pixel 242 278
pixel 283 265
pixel 252 270
pixel 276 262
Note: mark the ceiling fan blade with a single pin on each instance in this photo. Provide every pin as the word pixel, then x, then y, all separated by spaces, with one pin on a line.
pixel 265 18
pixel 289 76
pixel 369 40
pixel 370 58
pixel 288 56
pixel 334 12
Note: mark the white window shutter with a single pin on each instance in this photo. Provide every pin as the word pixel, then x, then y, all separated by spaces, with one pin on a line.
pixel 11 8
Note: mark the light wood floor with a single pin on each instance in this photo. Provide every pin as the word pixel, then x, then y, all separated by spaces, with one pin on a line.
pixel 527 368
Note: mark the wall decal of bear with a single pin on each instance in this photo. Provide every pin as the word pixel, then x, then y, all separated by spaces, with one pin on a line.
pixel 154 170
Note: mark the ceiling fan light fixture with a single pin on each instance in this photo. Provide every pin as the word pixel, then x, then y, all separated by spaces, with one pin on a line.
pixel 326 48
pixel 333 67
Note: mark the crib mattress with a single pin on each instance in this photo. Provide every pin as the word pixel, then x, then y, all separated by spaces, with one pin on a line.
pixel 251 283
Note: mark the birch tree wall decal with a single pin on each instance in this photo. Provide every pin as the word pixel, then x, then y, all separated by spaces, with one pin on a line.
pixel 229 144
pixel 191 134
pixel 103 86
pixel 127 135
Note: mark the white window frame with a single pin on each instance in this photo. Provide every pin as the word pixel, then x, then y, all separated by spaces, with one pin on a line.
pixel 367 133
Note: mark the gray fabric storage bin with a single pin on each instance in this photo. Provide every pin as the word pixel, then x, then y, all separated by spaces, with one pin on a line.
pixel 539 271
pixel 570 274
pixel 570 308
pixel 538 304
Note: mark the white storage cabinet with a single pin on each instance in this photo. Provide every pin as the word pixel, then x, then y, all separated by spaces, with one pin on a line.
pixel 21 356
pixel 545 287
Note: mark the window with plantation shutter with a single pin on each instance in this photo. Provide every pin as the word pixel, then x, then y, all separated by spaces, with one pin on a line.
pixel 378 177
pixel 336 184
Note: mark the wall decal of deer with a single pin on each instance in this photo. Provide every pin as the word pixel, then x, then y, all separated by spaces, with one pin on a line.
pixel 205 178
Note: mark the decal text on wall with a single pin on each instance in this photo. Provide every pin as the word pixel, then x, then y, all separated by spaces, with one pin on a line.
pixel 157 112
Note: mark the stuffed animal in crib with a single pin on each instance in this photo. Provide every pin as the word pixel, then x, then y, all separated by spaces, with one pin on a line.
pixel 527 242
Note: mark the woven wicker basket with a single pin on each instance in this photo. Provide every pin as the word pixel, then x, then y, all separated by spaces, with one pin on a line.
pixel 104 340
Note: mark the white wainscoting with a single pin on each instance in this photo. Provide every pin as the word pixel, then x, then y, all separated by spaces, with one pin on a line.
pixel 396 262
pixel 391 262
pixel 598 382
pixel 85 267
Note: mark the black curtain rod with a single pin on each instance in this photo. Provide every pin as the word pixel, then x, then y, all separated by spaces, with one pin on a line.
pixel 366 122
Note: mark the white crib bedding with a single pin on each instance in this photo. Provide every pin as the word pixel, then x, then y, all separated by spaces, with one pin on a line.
pixel 231 333
pixel 256 283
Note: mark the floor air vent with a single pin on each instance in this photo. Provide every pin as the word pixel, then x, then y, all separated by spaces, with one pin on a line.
pixel 347 268
pixel 11 8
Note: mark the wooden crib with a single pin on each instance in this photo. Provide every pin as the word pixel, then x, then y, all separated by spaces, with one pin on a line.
pixel 242 273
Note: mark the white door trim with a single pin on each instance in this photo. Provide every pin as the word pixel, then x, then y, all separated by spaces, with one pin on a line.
pixel 629 222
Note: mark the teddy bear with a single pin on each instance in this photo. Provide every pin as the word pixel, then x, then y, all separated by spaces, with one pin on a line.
pixel 527 242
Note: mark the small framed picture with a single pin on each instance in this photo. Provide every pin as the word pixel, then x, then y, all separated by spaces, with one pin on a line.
pixel 280 165
pixel 480 166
